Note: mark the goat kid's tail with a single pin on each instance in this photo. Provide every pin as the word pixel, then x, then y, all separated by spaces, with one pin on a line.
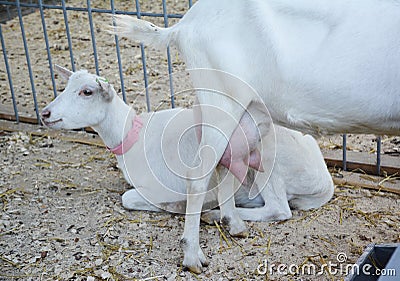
pixel 141 31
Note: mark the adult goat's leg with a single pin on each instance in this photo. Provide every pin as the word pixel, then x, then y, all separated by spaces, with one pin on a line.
pixel 194 258
pixel 217 127
pixel 198 180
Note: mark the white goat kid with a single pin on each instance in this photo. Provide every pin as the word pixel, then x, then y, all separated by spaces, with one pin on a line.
pixel 326 67
pixel 299 179
pixel 148 165
pixel 156 162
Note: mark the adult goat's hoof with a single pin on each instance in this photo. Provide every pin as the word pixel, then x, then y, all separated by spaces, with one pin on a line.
pixel 195 266
pixel 194 269
pixel 194 259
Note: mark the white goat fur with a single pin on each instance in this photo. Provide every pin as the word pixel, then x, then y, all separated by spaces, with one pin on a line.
pixel 326 67
pixel 320 67
pixel 299 174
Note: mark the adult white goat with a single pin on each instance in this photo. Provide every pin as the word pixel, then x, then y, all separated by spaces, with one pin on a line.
pixel 320 67
pixel 153 168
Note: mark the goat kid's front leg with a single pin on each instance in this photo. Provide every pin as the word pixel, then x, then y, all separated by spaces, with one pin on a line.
pixel 228 214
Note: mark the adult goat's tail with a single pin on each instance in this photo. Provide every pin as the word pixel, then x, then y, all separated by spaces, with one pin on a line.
pixel 141 31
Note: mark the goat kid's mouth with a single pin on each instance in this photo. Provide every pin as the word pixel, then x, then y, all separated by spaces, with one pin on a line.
pixel 51 123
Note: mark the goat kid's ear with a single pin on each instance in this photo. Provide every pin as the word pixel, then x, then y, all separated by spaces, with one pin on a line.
pixel 63 72
pixel 106 90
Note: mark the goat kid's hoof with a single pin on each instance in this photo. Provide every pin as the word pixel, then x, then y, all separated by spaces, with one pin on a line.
pixel 210 217
pixel 242 234
pixel 237 228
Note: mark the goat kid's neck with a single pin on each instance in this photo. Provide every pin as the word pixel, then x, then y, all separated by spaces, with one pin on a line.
pixel 116 124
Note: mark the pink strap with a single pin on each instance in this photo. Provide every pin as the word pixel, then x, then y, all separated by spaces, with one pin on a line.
pixel 130 139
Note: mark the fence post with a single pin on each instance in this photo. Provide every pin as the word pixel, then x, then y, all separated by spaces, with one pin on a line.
pixel 96 63
pixel 121 75
pixel 71 54
pixel 171 85
pixel 146 82
pixel 14 102
pixel 28 61
pixel 344 148
pixel 46 39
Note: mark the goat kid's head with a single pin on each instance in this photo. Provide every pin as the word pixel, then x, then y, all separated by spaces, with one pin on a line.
pixel 83 103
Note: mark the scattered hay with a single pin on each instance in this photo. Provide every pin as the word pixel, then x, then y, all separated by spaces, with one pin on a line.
pixel 78 222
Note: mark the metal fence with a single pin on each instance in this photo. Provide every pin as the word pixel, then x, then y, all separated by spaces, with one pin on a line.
pixel 16 9
pixel 20 6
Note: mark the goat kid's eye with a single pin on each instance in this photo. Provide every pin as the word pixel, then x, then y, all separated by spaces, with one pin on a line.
pixel 86 93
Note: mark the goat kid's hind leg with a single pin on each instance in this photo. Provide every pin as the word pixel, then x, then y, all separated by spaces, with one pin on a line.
pixel 226 200
pixel 132 200
pixel 276 208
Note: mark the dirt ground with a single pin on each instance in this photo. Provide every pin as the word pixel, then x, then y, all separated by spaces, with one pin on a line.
pixel 61 215
pixel 61 219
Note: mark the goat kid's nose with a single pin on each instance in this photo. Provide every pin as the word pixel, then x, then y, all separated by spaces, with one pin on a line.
pixel 46 114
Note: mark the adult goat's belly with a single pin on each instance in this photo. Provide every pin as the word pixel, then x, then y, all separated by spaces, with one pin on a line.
pixel 339 76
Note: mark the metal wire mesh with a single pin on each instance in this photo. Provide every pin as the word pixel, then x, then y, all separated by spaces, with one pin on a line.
pixel 10 9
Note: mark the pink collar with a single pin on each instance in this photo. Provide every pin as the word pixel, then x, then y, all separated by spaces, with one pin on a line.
pixel 130 139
